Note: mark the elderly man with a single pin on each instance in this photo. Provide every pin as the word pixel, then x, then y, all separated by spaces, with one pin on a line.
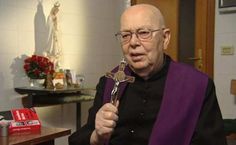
pixel 169 103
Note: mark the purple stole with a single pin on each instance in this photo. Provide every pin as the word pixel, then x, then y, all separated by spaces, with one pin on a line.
pixel 181 104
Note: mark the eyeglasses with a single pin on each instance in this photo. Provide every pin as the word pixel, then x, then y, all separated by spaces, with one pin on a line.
pixel 142 34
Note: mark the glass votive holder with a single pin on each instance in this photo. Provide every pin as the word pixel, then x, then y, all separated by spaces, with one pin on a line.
pixel 80 80
pixel 4 127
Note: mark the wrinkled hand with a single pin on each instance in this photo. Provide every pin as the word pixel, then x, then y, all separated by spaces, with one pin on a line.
pixel 105 121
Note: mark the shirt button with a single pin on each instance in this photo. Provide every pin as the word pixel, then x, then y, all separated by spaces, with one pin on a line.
pixel 131 131
pixel 144 100
pixel 141 116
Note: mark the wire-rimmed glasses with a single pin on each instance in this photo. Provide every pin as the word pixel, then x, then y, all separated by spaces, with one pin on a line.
pixel 142 34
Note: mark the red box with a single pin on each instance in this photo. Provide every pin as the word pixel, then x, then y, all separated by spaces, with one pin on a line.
pixel 25 119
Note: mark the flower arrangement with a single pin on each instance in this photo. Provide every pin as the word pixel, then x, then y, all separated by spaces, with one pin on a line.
pixel 37 67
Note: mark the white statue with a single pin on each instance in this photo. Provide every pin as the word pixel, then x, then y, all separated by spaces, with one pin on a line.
pixel 53 49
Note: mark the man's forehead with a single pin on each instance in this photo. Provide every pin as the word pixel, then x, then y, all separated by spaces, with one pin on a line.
pixel 138 13
pixel 135 28
pixel 138 22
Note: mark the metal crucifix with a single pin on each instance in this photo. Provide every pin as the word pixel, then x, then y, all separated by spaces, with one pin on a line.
pixel 118 77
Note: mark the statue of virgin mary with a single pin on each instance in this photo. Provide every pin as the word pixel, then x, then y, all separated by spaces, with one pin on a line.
pixel 53 49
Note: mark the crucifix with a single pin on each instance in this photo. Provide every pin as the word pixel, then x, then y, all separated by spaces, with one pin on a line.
pixel 118 77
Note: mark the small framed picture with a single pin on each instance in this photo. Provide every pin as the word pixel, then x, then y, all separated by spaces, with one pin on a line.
pixel 227 5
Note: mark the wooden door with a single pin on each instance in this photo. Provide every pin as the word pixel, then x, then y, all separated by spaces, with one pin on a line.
pixel 203 30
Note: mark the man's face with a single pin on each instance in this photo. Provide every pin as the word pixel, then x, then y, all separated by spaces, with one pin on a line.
pixel 142 54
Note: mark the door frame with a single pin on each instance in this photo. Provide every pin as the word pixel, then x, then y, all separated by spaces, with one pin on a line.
pixel 204 34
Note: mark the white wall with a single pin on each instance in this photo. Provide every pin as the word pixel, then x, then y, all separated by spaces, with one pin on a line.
pixel 87 29
pixel 225 65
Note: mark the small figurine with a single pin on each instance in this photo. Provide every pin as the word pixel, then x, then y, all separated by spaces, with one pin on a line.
pixel 49 82
pixel 69 78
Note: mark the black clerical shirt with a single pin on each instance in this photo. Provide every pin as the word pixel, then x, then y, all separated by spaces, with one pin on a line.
pixel 139 107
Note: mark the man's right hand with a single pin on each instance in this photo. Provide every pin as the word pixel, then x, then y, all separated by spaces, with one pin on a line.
pixel 105 123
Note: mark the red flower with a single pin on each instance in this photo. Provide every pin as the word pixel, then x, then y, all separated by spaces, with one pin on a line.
pixel 26 67
pixel 42 65
pixel 37 67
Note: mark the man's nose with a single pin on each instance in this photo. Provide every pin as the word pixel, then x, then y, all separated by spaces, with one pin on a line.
pixel 134 40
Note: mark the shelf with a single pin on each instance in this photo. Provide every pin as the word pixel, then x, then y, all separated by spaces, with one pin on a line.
pixel 37 90
pixel 43 97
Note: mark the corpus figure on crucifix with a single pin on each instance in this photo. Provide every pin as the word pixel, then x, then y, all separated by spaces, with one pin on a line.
pixel 118 77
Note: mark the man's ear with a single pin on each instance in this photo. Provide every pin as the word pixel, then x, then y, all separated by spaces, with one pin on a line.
pixel 166 36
